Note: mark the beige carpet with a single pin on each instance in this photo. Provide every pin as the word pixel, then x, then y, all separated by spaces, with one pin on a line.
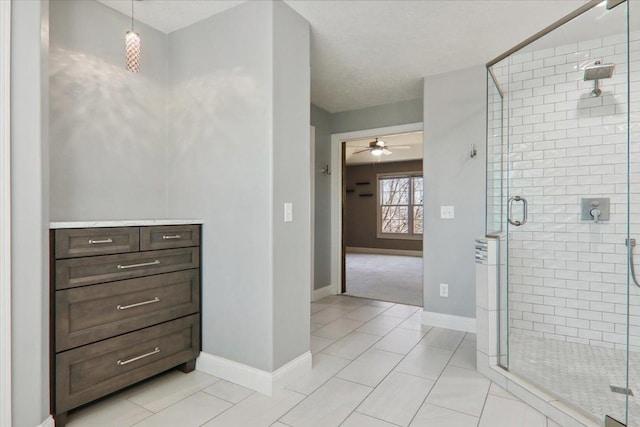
pixel 385 277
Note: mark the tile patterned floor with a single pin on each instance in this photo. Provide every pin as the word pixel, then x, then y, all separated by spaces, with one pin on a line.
pixel 374 365
pixel 580 373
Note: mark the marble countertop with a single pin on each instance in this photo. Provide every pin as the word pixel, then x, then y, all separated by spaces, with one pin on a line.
pixel 123 223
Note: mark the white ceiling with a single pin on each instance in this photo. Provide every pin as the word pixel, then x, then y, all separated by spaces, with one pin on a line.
pixel 412 140
pixel 366 53
pixel 171 15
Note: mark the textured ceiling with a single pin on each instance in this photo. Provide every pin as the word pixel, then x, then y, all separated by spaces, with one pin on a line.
pixel 171 15
pixel 366 53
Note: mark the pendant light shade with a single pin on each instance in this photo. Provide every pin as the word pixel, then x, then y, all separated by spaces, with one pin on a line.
pixel 132 41
pixel 132 48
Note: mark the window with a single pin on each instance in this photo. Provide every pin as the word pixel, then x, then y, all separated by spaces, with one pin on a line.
pixel 400 210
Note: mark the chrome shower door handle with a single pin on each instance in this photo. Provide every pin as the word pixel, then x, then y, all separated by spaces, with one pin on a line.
pixel 523 221
pixel 630 244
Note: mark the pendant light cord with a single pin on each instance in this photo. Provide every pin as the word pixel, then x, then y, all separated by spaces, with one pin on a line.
pixel 131 15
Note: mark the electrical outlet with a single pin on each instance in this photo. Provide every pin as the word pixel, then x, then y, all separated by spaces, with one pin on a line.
pixel 446 212
pixel 444 290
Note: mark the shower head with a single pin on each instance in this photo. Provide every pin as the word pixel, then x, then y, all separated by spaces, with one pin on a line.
pixel 598 71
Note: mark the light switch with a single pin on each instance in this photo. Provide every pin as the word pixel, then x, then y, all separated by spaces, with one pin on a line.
pixel 444 290
pixel 288 212
pixel 446 212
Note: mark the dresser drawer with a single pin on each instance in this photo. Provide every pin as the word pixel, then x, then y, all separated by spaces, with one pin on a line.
pixel 95 370
pixel 108 268
pixel 166 237
pixel 92 313
pixel 78 242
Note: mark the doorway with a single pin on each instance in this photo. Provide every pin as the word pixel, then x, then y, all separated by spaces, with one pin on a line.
pixel 382 218
pixel 377 246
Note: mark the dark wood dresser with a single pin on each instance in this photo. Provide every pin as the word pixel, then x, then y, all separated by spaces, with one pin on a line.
pixel 125 305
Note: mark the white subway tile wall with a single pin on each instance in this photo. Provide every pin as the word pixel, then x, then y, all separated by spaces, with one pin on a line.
pixel 567 276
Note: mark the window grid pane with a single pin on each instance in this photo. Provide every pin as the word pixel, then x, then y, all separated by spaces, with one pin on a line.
pixel 417 190
pixel 401 200
pixel 395 191
pixel 417 219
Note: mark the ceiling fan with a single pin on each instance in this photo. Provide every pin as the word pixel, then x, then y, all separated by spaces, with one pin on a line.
pixel 379 147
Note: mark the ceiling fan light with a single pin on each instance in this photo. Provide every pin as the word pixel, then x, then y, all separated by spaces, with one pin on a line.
pixel 377 151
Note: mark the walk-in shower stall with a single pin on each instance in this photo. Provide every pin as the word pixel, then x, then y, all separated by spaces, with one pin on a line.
pixel 563 198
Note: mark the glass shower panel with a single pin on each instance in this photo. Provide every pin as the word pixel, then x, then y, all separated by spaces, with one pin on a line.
pixel 495 156
pixel 633 124
pixel 497 152
pixel 567 221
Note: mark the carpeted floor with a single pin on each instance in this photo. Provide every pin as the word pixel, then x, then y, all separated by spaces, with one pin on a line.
pixel 385 277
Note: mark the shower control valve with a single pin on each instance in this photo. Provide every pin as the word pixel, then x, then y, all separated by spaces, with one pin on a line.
pixel 594 209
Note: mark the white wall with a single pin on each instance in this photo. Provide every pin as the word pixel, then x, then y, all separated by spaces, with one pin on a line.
pixel 220 169
pixel 108 126
pixel 29 212
pixel 237 151
pixel 454 118
pixel 291 181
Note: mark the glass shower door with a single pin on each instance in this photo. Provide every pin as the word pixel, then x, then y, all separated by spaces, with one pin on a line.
pixel 633 135
pixel 566 196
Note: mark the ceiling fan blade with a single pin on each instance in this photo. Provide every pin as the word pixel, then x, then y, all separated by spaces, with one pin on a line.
pixel 386 151
pixel 400 147
pixel 361 151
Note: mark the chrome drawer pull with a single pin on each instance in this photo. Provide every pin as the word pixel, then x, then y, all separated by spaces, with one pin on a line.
pixel 142 356
pixel 138 304
pixel 95 242
pixel 144 264
pixel 177 236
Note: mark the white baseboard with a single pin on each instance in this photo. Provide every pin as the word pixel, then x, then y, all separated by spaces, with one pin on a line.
pixel 458 323
pixel 253 378
pixel 293 370
pixel 379 251
pixel 49 422
pixel 320 293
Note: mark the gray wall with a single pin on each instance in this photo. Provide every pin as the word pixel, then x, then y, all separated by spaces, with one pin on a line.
pixel 232 106
pixel 108 125
pixel 397 113
pixel 291 181
pixel 29 213
pixel 219 171
pixel 454 118
pixel 321 119
pixel 361 213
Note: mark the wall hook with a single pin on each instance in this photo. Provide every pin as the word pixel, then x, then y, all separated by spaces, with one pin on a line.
pixel 325 170
pixel 473 152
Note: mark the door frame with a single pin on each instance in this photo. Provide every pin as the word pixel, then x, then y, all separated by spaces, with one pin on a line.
pixel 336 190
pixel 312 198
pixel 5 214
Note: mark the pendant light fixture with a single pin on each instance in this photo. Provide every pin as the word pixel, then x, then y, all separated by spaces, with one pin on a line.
pixel 132 47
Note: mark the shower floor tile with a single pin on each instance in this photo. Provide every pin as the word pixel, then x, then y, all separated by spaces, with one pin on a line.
pixel 579 373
